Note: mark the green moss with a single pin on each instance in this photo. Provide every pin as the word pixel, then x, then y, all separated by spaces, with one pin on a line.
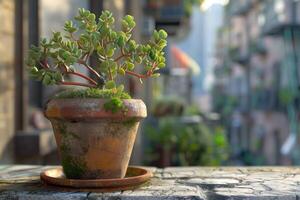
pixel 92 93
pixel 73 167
pixel 66 134
pixel 64 149
pixel 114 105
pixel 115 96
pixel 62 128
pixel 130 122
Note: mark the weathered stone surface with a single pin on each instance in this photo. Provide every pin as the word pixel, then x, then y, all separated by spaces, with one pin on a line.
pixel 189 183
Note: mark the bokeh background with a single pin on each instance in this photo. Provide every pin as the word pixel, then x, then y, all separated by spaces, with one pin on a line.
pixel 228 96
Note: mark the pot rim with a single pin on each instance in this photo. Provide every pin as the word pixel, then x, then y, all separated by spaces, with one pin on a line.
pixel 92 108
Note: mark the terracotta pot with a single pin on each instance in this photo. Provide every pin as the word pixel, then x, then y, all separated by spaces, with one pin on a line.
pixel 94 143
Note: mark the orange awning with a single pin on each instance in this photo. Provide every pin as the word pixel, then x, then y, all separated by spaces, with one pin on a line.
pixel 182 60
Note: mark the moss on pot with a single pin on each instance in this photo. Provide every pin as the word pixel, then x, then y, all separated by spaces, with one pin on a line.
pixel 115 105
pixel 66 134
pixel 92 93
pixel 73 167
pixel 114 97
pixel 131 122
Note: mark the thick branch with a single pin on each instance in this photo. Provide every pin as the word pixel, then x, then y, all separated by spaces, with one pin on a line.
pixel 84 77
pixel 137 75
pixel 44 64
pixel 148 74
pixel 121 56
pixel 110 74
pixel 80 61
pixel 84 57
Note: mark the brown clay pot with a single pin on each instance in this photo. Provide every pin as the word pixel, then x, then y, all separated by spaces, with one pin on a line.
pixel 94 143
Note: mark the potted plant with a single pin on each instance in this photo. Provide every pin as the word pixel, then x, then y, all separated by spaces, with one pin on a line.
pixel 95 127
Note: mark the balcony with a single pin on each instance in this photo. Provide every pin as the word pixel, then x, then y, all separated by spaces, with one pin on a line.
pixel 280 14
pixel 264 99
pixel 238 55
pixel 167 14
pixel 240 7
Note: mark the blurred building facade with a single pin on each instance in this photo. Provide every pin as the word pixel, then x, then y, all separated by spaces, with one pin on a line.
pixel 257 79
pixel 7 84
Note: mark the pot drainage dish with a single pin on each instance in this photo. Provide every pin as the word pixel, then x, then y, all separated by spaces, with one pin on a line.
pixel 134 176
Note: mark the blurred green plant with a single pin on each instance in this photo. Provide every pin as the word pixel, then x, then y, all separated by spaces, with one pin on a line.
pixel 168 106
pixel 258 48
pixel 191 110
pixel 220 146
pixel 55 59
pixel 195 145
pixel 223 103
pixel 286 96
pixel 185 144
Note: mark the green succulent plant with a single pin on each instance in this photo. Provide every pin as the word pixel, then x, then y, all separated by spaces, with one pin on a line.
pixel 57 58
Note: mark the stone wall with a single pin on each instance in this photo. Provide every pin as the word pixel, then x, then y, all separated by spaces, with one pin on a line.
pixel 6 80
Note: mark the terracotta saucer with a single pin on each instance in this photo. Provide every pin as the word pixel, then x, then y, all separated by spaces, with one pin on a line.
pixel 134 177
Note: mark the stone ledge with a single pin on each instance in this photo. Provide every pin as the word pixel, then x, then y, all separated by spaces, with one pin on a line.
pixel 197 183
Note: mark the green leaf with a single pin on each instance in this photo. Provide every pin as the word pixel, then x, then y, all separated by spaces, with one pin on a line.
pixel 162 34
pixel 47 79
pixel 139 59
pixel 124 25
pixel 121 71
pixel 155 75
pixel 132 45
pixel 101 51
pixel 156 35
pixel 111 20
pixel 113 35
pixel 81 11
pixel 110 52
pixel 132 24
pixel 92 17
pixel 121 41
pixel 161 65
pixel 162 44
pixel 129 18
pixel 104 66
pixel 152 55
pixel 130 21
pixel 43 42
pixel 129 66
pixel 34 70
pixel 58 77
